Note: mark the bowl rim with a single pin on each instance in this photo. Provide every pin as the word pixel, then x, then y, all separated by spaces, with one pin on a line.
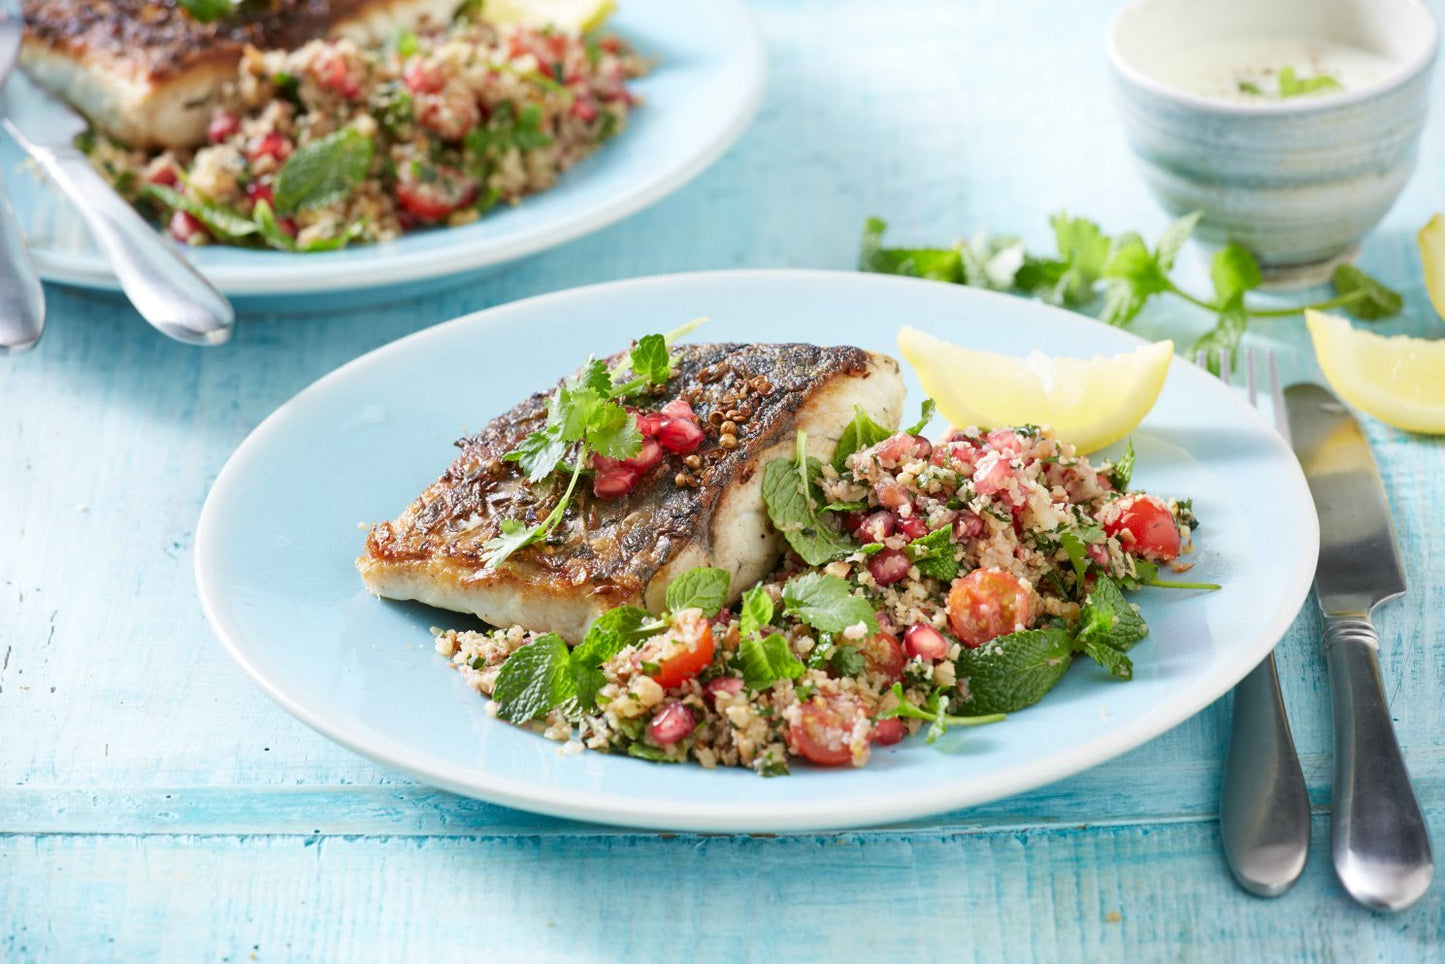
pixel 1406 72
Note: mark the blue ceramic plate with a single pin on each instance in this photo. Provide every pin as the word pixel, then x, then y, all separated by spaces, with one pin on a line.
pixel 279 533
pixel 701 96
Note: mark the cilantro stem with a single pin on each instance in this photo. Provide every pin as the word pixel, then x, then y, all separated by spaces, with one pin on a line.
pixel 1339 301
pixel 1171 584
pixel 1206 305
pixel 683 330
pixel 555 516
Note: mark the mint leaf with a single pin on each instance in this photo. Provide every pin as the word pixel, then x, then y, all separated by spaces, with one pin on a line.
pixel 1116 663
pixel 1107 618
pixel 323 171
pixel 703 588
pixel 219 220
pixel 925 416
pixel 538 453
pixel 792 495
pixel 1371 299
pixel 933 555
pixel 1234 271
pixel 1122 471
pixel 650 359
pixel 857 435
pixel 1291 85
pixel 765 661
pixel 826 603
pixel 1014 671
pixel 847 661
pixel 613 632
pixel 533 680
pixel 757 611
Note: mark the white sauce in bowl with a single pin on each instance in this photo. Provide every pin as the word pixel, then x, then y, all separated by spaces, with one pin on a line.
pixel 1248 69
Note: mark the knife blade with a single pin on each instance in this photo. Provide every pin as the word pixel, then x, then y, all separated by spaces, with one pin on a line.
pixel 1379 840
pixel 167 291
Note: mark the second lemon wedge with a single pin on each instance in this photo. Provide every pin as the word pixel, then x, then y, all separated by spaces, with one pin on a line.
pixel 1089 402
pixel 1399 380
pixel 570 16
pixel 1431 239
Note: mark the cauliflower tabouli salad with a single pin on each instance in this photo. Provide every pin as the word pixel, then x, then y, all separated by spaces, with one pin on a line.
pixel 338 142
pixel 911 584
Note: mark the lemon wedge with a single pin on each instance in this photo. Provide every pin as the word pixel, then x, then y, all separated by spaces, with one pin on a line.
pixel 1091 403
pixel 570 16
pixel 1431 239
pixel 1399 380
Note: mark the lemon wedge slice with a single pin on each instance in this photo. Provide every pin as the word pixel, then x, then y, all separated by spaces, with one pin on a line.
pixel 570 16
pixel 1399 380
pixel 1431 239
pixel 1091 403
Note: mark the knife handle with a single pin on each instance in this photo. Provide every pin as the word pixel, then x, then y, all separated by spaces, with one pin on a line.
pixel 169 293
pixel 22 300
pixel 1264 810
pixel 1378 834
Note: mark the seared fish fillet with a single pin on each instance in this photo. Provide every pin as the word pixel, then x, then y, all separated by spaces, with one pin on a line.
pixel 147 73
pixel 624 551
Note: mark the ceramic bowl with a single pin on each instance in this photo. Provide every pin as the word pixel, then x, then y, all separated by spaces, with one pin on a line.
pixel 1298 181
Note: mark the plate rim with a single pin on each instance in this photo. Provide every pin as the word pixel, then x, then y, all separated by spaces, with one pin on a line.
pixel 723 815
pixel 93 273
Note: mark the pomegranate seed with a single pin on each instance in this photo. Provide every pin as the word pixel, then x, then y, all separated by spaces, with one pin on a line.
pixel 925 642
pixel 888 732
pixel 896 448
pixel 421 77
pixel 852 522
pixel 1099 553
pixel 1104 483
pixel 888 566
pixel 270 145
pixel 885 622
pixel 959 456
pixel 648 456
pixel 968 526
pixel 729 685
pixel 679 408
pixel 891 495
pixel 648 423
pixel 680 435
pixel 877 526
pixel 672 724
pixel 288 225
pixel 922 448
pixel 614 483
pixel 584 110
pixel 256 191
pixel 913 527
pixel 223 125
pixel 1006 443
pixel 165 176
pixel 185 226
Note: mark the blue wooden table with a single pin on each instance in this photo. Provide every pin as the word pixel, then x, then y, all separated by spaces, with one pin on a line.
pixel 154 805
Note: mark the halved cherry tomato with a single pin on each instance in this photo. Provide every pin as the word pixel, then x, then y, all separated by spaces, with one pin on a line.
pixel 884 656
pixel 433 192
pixel 1150 527
pixel 822 734
pixel 987 603
pixel 684 651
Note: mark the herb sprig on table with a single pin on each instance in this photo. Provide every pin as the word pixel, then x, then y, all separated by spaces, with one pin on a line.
pixel 585 415
pixel 1118 275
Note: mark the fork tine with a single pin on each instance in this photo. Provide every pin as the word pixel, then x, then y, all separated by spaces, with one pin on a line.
pixel 1276 394
pixel 1199 358
pixel 1249 386
pixel 1224 366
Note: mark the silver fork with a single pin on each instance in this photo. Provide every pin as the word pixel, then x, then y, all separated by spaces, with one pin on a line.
pixel 1264 808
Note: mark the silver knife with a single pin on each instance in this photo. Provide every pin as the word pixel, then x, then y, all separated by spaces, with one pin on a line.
pixel 22 300
pixel 165 289
pixel 1379 839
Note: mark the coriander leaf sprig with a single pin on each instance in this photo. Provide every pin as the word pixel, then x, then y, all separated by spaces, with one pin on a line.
pixel 1127 270
pixel 584 416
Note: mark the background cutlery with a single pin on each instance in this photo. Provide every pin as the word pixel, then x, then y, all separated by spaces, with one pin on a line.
pixel 22 300
pixel 1380 842
pixel 162 285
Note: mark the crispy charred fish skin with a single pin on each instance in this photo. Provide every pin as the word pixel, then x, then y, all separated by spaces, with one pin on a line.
pixel 611 552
